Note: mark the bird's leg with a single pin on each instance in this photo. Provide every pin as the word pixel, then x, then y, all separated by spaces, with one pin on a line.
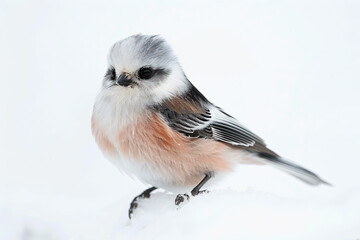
pixel 196 189
pixel 180 197
pixel 144 194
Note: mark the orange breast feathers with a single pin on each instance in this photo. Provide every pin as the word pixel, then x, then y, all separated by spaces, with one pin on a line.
pixel 150 139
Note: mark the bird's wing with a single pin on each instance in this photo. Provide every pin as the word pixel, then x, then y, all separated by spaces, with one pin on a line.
pixel 194 116
pixel 212 123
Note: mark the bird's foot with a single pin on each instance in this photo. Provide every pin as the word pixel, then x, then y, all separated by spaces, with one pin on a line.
pixel 181 198
pixel 134 202
pixel 194 192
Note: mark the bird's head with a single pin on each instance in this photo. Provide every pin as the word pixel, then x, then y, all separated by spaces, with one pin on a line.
pixel 143 67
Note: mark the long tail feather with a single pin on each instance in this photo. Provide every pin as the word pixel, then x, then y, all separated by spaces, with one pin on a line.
pixel 292 169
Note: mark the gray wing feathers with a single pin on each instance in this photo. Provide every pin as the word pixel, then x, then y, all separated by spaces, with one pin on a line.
pixel 212 123
pixel 228 129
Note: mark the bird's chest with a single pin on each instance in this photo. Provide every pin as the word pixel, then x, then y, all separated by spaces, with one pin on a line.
pixel 138 145
pixel 147 139
pixel 114 126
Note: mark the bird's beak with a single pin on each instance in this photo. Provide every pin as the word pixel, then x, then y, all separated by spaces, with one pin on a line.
pixel 124 80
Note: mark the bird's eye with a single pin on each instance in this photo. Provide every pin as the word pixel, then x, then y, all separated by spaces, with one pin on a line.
pixel 146 73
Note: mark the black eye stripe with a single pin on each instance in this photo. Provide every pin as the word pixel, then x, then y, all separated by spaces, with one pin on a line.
pixel 111 74
pixel 148 72
pixel 143 73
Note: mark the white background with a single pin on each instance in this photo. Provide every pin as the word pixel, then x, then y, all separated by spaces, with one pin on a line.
pixel 288 70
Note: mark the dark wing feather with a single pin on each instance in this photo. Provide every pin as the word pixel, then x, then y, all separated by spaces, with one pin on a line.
pixel 189 124
pixel 211 123
pixel 194 116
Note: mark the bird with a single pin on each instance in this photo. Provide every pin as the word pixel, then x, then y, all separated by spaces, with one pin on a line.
pixel 151 122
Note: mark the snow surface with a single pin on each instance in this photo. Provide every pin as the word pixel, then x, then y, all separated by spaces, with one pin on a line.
pixel 287 70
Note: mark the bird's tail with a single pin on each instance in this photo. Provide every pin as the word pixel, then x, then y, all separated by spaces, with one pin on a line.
pixel 291 168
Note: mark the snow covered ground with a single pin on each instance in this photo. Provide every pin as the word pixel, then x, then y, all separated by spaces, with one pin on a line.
pixel 287 70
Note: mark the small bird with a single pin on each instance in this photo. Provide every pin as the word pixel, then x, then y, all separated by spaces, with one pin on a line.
pixel 151 122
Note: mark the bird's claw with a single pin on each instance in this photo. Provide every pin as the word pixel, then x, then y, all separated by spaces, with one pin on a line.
pixel 134 203
pixel 181 198
pixel 133 206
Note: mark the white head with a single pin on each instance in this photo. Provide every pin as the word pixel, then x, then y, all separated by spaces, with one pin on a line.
pixel 143 69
